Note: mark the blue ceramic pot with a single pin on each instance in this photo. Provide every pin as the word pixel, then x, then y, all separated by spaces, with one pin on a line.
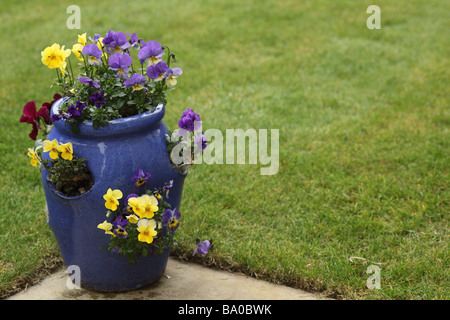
pixel 114 153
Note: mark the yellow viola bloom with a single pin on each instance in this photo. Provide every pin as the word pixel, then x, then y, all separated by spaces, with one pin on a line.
pixel 34 157
pixel 66 151
pixel 82 39
pixel 149 206
pixel 146 230
pixel 100 43
pixel 106 226
pixel 132 218
pixel 52 147
pixel 158 195
pixel 62 68
pixel 137 205
pixel 111 198
pixel 76 49
pixel 101 46
pixel 54 56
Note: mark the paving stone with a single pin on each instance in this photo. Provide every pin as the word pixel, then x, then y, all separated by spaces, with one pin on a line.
pixel 181 281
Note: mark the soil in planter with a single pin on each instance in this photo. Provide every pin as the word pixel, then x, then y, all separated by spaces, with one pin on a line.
pixel 72 180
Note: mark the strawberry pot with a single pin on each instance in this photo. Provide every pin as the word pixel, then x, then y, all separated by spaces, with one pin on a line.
pixel 113 154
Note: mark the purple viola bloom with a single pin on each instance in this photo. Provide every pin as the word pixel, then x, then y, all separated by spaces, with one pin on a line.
pixel 141 178
pixel 96 38
pixel 167 187
pixel 119 227
pixel 94 53
pixel 98 98
pixel 56 117
pixel 172 75
pixel 76 110
pixel 120 62
pixel 201 141
pixel 115 42
pixel 190 121
pixel 170 218
pixel 120 222
pixel 89 82
pixel 137 82
pixel 202 247
pixel 157 72
pixel 151 51
pixel 134 40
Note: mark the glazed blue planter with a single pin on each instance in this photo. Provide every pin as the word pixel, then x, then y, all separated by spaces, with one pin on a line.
pixel 114 153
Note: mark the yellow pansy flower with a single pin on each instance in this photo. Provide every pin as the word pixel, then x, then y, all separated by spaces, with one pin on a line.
pixel 132 218
pixel 62 68
pixel 101 46
pixel 82 39
pixel 51 146
pixel 66 151
pixel 146 230
pixel 54 56
pixel 34 157
pixel 111 198
pixel 106 226
pixel 149 206
pixel 137 205
pixel 76 49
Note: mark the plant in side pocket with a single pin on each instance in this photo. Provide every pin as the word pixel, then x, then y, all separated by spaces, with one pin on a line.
pixel 144 223
pixel 68 173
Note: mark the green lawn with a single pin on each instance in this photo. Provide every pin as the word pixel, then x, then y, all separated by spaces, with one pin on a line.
pixel 363 117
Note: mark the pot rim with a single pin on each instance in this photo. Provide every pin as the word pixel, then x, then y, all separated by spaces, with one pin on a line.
pixel 137 123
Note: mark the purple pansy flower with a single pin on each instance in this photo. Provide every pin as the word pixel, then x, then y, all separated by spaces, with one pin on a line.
pixel 172 75
pixel 89 82
pixel 120 62
pixel 134 40
pixel 141 178
pixel 94 53
pixel 76 110
pixel 115 42
pixel 170 218
pixel 119 227
pixel 96 38
pixel 167 187
pixel 157 72
pixel 151 51
pixel 98 98
pixel 202 247
pixel 201 141
pixel 190 121
pixel 56 117
pixel 120 221
pixel 137 82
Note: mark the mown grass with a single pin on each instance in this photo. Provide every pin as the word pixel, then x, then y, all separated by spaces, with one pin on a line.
pixel 363 117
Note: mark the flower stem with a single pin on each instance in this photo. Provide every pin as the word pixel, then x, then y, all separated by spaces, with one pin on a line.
pixel 71 74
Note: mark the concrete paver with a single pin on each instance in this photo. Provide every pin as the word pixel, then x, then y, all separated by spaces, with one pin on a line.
pixel 181 281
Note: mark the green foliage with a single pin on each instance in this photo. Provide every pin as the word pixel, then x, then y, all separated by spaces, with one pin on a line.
pixel 70 177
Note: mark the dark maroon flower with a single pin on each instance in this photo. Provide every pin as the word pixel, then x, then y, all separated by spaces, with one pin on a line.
pixel 49 105
pixel 31 116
